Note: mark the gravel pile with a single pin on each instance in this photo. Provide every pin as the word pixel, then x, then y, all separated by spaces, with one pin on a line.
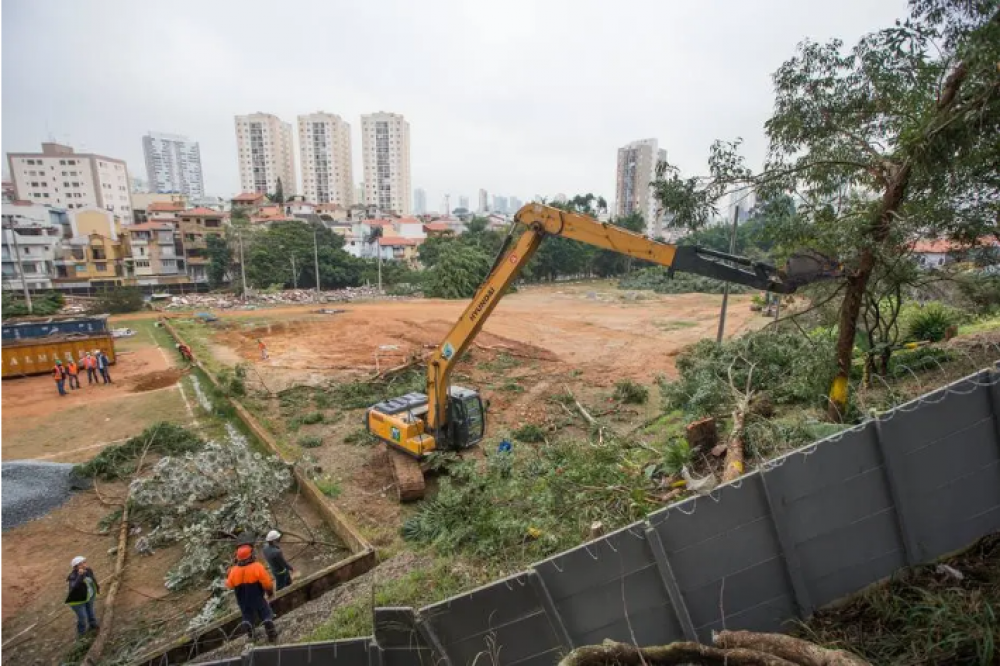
pixel 32 488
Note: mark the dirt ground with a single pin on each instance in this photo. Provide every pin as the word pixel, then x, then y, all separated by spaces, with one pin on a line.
pixel 606 334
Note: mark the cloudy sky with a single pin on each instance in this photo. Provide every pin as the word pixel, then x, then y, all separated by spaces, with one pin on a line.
pixel 519 97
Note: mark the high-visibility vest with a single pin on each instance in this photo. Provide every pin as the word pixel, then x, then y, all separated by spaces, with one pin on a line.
pixel 57 372
pixel 71 368
pixel 90 362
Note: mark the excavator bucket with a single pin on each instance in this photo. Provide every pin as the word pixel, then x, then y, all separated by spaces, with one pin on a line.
pixel 807 267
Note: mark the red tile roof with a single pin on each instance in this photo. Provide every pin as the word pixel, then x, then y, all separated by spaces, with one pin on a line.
pixel 248 196
pixel 944 246
pixel 165 207
pixel 201 211
pixel 377 223
pixel 437 226
pixel 396 241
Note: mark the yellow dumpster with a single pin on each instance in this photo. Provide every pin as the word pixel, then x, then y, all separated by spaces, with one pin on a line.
pixel 35 356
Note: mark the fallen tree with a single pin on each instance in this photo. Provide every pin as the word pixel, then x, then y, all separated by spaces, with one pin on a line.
pixel 732 648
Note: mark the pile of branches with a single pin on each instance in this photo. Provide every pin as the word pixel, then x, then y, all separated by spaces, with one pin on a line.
pixel 731 648
pixel 204 500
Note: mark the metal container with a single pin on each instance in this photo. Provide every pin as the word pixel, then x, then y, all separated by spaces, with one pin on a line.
pixel 35 356
pixel 40 327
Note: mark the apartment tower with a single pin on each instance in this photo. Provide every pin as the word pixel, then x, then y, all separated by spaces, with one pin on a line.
pixel 173 165
pixel 325 155
pixel 636 170
pixel 385 146
pixel 264 145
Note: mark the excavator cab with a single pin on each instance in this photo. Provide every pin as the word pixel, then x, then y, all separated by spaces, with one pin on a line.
pixel 466 419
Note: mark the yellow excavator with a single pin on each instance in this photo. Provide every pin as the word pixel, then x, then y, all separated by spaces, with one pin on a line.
pixel 453 418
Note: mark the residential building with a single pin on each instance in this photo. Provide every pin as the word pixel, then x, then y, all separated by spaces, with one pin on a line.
pixel 141 202
pixel 398 248
pixel 636 171
pixel 500 204
pixel 359 194
pixel 91 261
pixel 446 204
pixel 385 147
pixel 463 202
pixel 9 193
pixel 89 221
pixel 60 177
pixel 194 226
pixel 264 147
pixel 31 236
pixel 139 186
pixel 152 253
pixel 173 164
pixel 325 155
pixel 514 204
pixel 419 201
pixel 484 201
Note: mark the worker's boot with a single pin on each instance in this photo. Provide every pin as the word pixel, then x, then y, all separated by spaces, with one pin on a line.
pixel 272 631
pixel 247 629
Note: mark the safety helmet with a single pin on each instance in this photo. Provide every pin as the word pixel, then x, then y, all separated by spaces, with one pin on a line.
pixel 273 535
pixel 79 559
pixel 244 552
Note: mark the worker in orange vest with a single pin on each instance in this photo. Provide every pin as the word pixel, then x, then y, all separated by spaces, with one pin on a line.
pixel 90 363
pixel 59 374
pixel 72 370
pixel 250 581
pixel 263 349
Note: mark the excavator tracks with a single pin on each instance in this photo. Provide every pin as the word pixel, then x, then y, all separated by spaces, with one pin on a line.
pixel 407 474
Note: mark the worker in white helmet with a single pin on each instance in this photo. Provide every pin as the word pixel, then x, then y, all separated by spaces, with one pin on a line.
pixel 280 567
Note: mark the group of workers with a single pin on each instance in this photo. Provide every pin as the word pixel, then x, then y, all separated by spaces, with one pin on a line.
pixel 247 578
pixel 96 363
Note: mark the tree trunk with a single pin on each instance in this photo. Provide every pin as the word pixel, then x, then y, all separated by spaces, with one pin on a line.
pixel 791 649
pixel 734 465
pixel 892 199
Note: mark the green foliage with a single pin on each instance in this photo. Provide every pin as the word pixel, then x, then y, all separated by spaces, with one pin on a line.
pixel 310 442
pixel 233 381
pixel 220 260
pixel 118 300
pixel 529 433
pixel 270 251
pixel 328 486
pixel 657 279
pixel 458 272
pixel 982 291
pixel 676 455
pixel 312 418
pixel 788 366
pixel 511 386
pixel 630 392
pixel 908 361
pixel 501 363
pixel 118 461
pixel 42 305
pixel 365 393
pixel 929 322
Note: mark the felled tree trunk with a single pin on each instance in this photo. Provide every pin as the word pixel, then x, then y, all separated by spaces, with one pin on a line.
pixel 735 456
pixel 732 648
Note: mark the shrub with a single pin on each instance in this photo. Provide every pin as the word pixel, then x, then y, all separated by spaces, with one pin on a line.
pixel 982 291
pixel 42 305
pixel 630 392
pixel 529 433
pixel 677 454
pixel 118 300
pixel 328 486
pixel 312 418
pixel 458 272
pixel 930 322
pixel 310 442
pixel 361 437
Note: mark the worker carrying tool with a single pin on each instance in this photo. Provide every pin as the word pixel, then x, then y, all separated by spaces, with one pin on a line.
pixel 280 568
pixel 452 418
pixel 249 580
pixel 185 351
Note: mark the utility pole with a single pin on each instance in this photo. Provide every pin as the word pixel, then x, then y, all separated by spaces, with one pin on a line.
pixel 316 261
pixel 20 268
pixel 295 275
pixel 725 289
pixel 243 265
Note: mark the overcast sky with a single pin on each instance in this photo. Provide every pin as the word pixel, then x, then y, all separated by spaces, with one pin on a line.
pixel 519 97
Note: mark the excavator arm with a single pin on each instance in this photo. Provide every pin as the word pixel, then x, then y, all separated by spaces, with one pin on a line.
pixel 542 221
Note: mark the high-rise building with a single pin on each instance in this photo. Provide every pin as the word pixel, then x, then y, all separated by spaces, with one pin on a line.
pixel 264 144
pixel 419 201
pixel 484 201
pixel 173 164
pixel 499 204
pixel 359 194
pixel 636 170
pixel 446 204
pixel 515 204
pixel 385 146
pixel 59 176
pixel 560 198
pixel 463 202
pixel 325 156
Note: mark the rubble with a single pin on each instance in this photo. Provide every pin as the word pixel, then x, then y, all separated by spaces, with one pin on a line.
pixel 225 301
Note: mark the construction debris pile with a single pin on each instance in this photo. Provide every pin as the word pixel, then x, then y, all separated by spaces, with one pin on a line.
pixel 225 301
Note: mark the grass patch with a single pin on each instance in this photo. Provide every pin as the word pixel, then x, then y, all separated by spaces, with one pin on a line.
pixel 427 584
pixel 511 386
pixel 361 437
pixel 310 442
pixel 529 433
pixel 328 486
pixel 922 616
pixel 630 392
pixel 984 325
pixel 501 363
pixel 668 325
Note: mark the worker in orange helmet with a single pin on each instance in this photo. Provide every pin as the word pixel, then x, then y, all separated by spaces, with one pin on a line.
pixel 249 579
